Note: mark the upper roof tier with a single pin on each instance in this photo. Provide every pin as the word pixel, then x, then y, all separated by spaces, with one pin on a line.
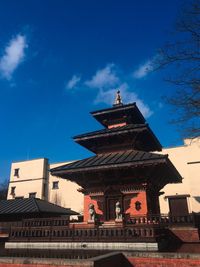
pixel 131 136
pixel 119 114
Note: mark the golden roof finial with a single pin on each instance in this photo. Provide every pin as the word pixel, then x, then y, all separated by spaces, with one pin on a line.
pixel 118 99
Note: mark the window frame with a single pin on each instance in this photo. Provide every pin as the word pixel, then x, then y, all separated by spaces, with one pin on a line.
pixel 16 172
pixel 55 183
pixel 33 194
pixel 13 188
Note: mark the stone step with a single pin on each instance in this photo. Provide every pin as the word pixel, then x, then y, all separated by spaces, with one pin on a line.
pixel 108 224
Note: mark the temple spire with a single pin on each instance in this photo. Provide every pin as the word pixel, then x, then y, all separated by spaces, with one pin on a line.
pixel 118 99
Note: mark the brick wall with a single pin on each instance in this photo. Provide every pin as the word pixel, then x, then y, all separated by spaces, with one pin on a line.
pixel 156 262
pixel 186 235
pixel 36 265
pixel 109 260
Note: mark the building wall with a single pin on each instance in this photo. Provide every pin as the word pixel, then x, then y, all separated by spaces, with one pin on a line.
pixel 129 205
pixel 32 177
pixel 66 195
pixel 186 159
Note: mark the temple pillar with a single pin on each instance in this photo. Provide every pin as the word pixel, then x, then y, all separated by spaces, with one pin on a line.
pixel 153 202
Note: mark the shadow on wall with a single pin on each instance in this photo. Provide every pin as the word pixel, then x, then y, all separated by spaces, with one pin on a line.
pixel 57 199
pixel 197 198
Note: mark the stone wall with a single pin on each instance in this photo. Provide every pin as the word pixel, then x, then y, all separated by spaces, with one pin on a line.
pixel 114 259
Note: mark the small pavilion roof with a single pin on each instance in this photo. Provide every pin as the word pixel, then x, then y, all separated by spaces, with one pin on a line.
pixel 32 206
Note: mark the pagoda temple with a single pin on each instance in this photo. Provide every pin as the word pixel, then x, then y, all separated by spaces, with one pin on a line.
pixel 121 184
pixel 125 177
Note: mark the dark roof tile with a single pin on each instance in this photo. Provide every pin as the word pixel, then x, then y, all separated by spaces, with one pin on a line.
pixel 31 205
pixel 109 159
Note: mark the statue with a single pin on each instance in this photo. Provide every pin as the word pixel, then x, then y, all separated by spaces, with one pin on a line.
pixel 92 213
pixel 118 211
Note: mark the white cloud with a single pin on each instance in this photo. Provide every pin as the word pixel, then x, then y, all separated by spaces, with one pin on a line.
pixel 73 82
pixel 143 69
pixel 13 55
pixel 104 78
pixel 108 96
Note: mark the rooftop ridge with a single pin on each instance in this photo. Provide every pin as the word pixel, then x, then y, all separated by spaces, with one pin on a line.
pixel 114 108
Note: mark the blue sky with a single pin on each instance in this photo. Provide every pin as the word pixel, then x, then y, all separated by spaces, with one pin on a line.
pixel 59 60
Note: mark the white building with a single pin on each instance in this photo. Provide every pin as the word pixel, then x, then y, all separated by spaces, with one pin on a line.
pixel 32 178
pixel 184 197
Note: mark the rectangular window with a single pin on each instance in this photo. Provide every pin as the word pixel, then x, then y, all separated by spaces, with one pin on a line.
pixel 55 185
pixel 16 172
pixel 19 197
pixel 178 206
pixel 32 195
pixel 13 190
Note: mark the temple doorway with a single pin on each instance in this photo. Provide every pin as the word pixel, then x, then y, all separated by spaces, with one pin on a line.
pixel 111 202
pixel 110 206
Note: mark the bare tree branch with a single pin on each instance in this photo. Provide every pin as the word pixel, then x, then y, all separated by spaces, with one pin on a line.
pixel 182 56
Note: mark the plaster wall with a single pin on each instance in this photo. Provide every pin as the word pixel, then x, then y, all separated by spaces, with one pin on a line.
pixel 141 198
pixel 23 188
pixel 66 195
pixel 186 159
pixel 32 175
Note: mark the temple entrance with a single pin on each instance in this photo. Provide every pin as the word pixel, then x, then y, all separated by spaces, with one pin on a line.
pixel 112 196
pixel 111 202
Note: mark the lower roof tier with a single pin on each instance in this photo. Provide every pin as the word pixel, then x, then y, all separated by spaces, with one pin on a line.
pixel 120 167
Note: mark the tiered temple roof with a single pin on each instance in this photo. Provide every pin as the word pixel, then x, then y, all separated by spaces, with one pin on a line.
pixel 123 152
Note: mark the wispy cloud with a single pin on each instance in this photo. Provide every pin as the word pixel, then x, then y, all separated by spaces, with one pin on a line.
pixel 128 96
pixel 72 83
pixel 14 54
pixel 104 78
pixel 106 82
pixel 143 69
